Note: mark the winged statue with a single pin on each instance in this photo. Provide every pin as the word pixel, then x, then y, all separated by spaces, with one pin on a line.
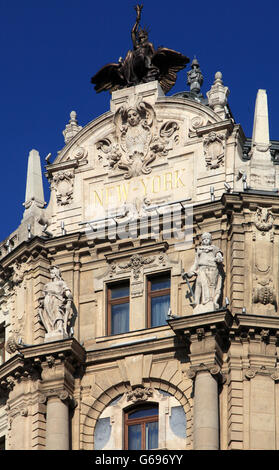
pixel 142 64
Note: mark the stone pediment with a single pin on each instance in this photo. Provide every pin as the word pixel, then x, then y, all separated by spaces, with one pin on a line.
pixel 147 150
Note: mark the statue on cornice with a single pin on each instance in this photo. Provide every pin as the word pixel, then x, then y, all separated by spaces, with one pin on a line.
pixel 142 64
pixel 55 309
pixel 207 268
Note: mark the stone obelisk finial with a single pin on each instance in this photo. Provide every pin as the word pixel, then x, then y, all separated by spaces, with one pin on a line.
pixel 262 168
pixel 34 195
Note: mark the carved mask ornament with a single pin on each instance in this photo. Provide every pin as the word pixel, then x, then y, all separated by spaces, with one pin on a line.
pixel 136 142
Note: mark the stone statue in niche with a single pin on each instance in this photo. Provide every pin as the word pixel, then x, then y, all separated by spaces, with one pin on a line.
pixel 56 309
pixel 207 268
pixel 138 141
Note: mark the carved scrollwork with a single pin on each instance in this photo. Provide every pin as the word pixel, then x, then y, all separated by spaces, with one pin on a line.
pixel 80 153
pixel 263 219
pixel 250 373
pixel 136 262
pixel 214 150
pixel 63 184
pixel 195 123
pixel 137 141
pixel 139 394
pixel 214 370
pixel 275 376
pixel 264 294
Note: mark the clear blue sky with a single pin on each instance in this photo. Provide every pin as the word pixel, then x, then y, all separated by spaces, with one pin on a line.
pixel 51 48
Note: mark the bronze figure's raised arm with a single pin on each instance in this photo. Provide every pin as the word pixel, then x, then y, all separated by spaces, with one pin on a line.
pixel 135 28
pixel 142 64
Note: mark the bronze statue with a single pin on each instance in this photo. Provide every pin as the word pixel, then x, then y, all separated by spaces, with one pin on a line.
pixel 142 64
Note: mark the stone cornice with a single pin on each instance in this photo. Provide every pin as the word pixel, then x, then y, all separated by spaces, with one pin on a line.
pixel 238 200
pixel 27 364
pixel 26 248
pixel 216 126
pixel 68 347
pixel 129 348
pixel 217 320
pixel 248 325
pixel 138 250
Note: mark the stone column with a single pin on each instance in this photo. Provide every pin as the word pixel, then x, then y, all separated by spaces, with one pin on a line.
pixel 57 423
pixel 206 412
pixel 207 338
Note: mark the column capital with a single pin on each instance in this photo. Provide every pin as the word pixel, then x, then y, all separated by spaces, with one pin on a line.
pixel 213 369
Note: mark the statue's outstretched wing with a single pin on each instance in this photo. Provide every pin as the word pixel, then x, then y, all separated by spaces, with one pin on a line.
pixel 108 78
pixel 169 62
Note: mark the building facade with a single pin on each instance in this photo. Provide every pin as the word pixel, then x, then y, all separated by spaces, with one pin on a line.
pixel 138 309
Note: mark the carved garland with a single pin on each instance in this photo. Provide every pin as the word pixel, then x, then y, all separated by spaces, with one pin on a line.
pixel 264 292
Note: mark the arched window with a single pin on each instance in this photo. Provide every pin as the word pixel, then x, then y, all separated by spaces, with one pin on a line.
pixel 141 427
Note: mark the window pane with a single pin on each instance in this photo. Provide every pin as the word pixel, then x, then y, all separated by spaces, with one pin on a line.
pixel 141 413
pixel 1 356
pixel 159 309
pixel 119 318
pixel 151 435
pixel 159 283
pixel 134 437
pixel 120 291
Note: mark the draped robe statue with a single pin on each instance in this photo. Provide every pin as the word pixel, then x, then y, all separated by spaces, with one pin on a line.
pixel 56 305
pixel 209 279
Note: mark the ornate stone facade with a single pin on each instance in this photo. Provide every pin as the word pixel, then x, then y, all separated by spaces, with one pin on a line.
pixel 123 190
